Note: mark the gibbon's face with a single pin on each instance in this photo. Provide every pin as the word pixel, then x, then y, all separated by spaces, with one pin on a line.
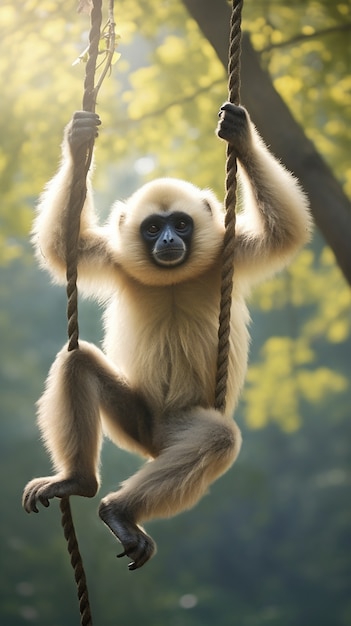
pixel 167 237
pixel 169 231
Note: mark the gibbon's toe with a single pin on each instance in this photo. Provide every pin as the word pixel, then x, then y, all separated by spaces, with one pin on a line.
pixel 137 545
pixel 36 490
pixel 140 548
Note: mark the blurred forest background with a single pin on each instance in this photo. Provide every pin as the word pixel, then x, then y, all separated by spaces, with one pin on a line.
pixel 270 544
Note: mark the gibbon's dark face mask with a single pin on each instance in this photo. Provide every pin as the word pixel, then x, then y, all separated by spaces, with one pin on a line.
pixel 167 237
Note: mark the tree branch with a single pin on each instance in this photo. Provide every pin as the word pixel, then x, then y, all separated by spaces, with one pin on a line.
pixel 330 206
pixel 300 38
pixel 164 108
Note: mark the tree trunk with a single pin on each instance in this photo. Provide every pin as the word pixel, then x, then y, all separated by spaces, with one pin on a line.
pixel 330 207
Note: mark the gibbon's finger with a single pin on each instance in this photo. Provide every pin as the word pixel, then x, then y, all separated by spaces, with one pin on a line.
pixel 27 507
pixel 227 106
pixel 31 504
pixel 44 501
pixel 29 500
pixel 82 116
pixel 120 555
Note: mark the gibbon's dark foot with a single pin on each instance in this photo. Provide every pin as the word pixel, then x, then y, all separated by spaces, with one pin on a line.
pixel 44 489
pixel 136 543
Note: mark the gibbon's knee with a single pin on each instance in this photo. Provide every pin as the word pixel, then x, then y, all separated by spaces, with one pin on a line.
pixel 225 444
pixel 68 414
pixel 207 432
pixel 216 441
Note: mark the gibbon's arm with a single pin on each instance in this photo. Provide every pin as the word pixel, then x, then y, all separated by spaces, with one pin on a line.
pixel 49 228
pixel 275 221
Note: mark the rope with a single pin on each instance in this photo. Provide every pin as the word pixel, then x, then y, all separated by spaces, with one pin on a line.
pixel 75 205
pixel 230 218
pixel 79 188
pixel 76 562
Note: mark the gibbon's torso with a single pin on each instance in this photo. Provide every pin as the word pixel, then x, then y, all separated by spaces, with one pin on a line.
pixel 163 343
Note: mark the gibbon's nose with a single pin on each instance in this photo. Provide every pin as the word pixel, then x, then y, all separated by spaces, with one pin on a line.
pixel 168 236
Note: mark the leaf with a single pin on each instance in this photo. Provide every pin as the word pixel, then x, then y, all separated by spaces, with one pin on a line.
pixel 83 58
pixel 115 57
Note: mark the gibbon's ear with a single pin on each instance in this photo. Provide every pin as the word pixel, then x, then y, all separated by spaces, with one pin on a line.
pixel 207 206
pixel 211 204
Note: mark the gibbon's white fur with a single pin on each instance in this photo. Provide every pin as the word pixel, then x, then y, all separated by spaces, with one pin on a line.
pixel 152 389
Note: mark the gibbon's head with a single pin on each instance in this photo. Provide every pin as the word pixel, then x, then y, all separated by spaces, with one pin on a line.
pixel 167 232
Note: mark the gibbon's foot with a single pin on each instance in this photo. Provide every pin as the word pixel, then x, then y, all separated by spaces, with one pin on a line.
pixel 44 489
pixel 136 543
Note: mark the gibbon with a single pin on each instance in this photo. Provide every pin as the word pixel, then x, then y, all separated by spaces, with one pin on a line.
pixel 157 264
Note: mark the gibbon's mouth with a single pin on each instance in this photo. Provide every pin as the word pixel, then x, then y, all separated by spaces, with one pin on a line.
pixel 170 257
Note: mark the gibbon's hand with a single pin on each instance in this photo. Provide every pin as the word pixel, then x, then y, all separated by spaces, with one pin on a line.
pixel 82 129
pixel 234 127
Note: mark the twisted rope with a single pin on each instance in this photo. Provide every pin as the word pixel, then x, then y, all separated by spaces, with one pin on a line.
pixel 76 562
pixel 230 218
pixel 76 201
pixel 78 190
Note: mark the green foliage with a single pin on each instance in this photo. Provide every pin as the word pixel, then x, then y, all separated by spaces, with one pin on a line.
pixel 308 305
pixel 282 379
pixel 311 72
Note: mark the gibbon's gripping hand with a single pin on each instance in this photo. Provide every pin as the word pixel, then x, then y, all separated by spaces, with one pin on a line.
pixel 82 129
pixel 234 127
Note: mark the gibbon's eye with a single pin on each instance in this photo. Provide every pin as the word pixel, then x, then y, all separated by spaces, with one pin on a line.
pixel 181 225
pixel 153 229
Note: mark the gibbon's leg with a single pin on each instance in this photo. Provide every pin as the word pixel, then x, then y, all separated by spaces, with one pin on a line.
pixel 195 449
pixel 70 423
